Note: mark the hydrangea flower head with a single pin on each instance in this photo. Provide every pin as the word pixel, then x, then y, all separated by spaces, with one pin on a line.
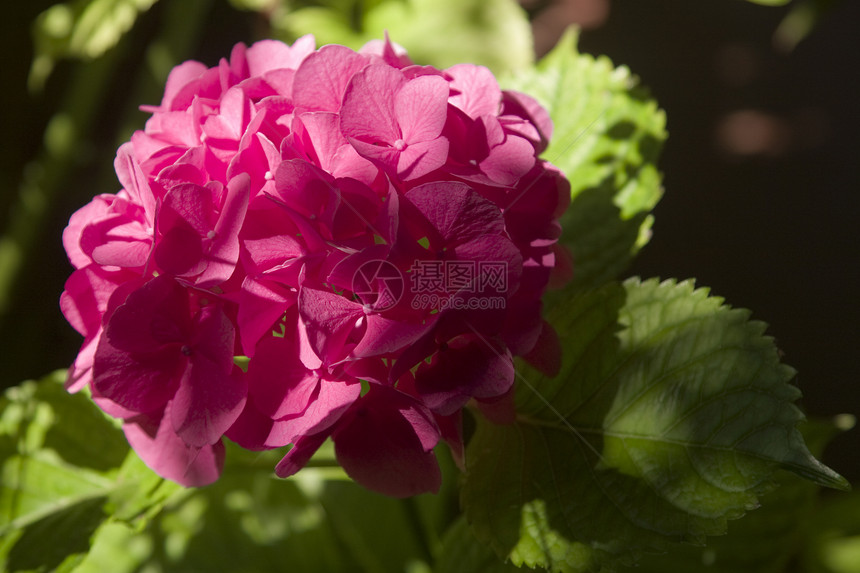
pixel 375 236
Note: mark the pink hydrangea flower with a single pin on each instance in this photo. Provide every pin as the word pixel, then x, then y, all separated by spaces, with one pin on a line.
pixel 373 235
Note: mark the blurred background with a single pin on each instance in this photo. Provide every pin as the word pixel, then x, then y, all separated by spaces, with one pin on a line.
pixel 762 182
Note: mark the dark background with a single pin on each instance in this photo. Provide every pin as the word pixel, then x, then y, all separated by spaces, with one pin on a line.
pixel 761 170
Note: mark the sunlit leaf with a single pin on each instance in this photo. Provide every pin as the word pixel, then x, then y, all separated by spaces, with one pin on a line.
pixel 670 416
pixel 82 29
pixel 64 470
pixel 462 552
pixel 494 33
pixel 607 137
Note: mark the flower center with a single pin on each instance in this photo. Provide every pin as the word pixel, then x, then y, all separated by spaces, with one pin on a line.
pixel 399 145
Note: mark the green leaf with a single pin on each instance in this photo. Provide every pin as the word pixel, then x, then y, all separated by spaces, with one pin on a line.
pixel 669 417
pixel 766 540
pixel 494 33
pixel 462 552
pixel 83 29
pixel 607 137
pixel 318 521
pixel 65 468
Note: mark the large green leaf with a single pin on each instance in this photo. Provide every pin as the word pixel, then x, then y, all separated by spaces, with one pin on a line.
pixel 494 33
pixel 670 415
pixel 64 470
pixel 607 137
pixel 768 539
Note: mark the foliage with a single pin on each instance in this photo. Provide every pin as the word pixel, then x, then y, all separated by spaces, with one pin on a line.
pixel 672 415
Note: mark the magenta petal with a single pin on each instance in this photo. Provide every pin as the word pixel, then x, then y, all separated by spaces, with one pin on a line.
pixel 467 366
pixel 419 159
pixel 280 384
pixel 207 402
pixel 188 204
pixel 268 55
pixel 547 352
pixel 134 181
pixel 261 304
pixel 328 319
pixel 451 428
pixel 85 298
pixel 138 382
pixel 299 454
pixel 509 161
pixel 224 247
pixel 321 80
pixel 331 399
pixel 168 456
pixel 457 211
pixel 251 429
pixel 479 93
pixel 421 108
pixel 385 336
pixel 212 391
pixel 80 373
pixel 367 113
pixel 180 252
pixel 386 446
pixel 152 316
pixel 97 209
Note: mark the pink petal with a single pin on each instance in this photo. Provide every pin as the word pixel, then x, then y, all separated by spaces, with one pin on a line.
pixel 328 319
pixel 180 252
pixel 180 77
pixel 467 366
pixel 300 454
pixel 386 445
pixel 251 429
pixel 457 211
pixel 321 80
pixel 171 458
pixel 207 402
pixel 154 315
pixel 386 336
pixel 261 304
pixel 140 382
pixel 420 107
pixel 328 403
pixel 419 159
pixel 224 248
pixel 479 93
pixel 134 181
pixel 85 298
pixel 510 161
pixel 367 113
pixel 267 55
pixel 280 384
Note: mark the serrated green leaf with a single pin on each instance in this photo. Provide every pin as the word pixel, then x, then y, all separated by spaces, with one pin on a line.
pixel 766 540
pixel 82 29
pixel 607 137
pixel 670 415
pixel 493 33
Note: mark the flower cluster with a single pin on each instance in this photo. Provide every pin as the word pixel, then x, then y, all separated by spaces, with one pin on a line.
pixel 287 206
